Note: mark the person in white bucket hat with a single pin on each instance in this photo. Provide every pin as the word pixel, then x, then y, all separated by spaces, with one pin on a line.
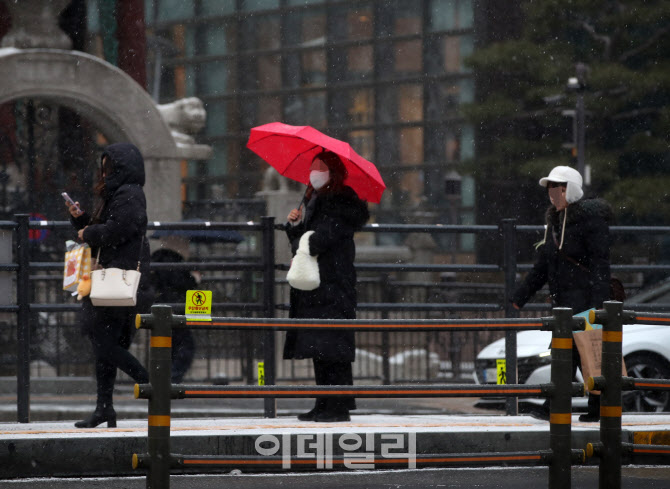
pixel 573 257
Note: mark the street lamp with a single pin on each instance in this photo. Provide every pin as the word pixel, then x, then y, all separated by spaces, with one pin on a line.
pixel 577 84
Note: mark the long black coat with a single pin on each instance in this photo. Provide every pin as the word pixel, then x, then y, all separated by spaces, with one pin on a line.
pixel 119 231
pixel 586 283
pixel 334 219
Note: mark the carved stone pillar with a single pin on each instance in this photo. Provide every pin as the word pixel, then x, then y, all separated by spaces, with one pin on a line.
pixel 35 25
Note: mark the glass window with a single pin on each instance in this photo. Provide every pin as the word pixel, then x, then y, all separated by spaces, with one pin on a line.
pixel 411 145
pixel 306 109
pixel 452 149
pixel 93 16
pixel 313 68
pixel 359 62
pixel 467 142
pixel 313 28
pixel 359 21
pixel 269 72
pixel 410 103
pixel 217 39
pixel 220 117
pixel 268 110
pixel 261 33
pixel 216 7
pixel 408 58
pixel 361 107
pixel 215 77
pixel 363 143
pixel 251 5
pixel 175 9
pixel 407 18
pixel 454 49
pixel 451 14
pixel 412 188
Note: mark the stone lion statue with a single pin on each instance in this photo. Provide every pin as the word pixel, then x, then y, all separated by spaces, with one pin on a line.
pixel 184 117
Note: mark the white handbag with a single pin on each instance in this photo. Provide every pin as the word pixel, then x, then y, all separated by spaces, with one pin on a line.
pixel 114 287
pixel 304 271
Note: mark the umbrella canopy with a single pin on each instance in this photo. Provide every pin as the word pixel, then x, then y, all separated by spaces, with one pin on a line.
pixel 291 149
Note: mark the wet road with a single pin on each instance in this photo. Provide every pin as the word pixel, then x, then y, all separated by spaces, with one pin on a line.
pixel 634 477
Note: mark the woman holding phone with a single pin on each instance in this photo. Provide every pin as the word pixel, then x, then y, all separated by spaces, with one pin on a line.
pixel 116 232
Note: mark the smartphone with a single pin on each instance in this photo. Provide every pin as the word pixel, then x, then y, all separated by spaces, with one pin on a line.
pixel 70 201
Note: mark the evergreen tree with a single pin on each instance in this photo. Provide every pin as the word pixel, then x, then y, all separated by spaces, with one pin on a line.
pixel 522 94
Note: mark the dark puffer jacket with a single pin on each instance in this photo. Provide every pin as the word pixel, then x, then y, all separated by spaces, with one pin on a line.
pixel 334 219
pixel 119 230
pixel 578 274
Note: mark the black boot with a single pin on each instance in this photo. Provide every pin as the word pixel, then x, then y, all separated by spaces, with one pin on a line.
pixel 335 410
pixel 593 411
pixel 316 410
pixel 104 413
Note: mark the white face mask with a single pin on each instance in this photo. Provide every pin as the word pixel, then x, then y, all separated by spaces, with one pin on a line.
pixel 319 178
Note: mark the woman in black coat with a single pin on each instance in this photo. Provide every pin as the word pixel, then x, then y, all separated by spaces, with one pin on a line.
pixel 574 256
pixel 116 230
pixel 334 212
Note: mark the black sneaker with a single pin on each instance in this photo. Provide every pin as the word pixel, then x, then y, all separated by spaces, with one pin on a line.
pixel 589 418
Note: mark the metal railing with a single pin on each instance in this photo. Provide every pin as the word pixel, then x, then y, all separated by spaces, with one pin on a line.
pixel 266 294
pixel 159 392
pixel 611 450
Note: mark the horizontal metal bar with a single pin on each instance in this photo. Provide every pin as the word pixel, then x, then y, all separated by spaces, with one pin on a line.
pixel 359 391
pixel 380 306
pixel 651 384
pixel 219 266
pixel 650 450
pixel 356 460
pixel 401 267
pixel 658 319
pixel 284 324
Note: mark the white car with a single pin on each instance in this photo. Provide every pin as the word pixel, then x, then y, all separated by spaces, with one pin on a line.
pixel 646 351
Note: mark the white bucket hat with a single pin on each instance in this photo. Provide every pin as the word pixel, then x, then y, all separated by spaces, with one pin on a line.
pixel 570 176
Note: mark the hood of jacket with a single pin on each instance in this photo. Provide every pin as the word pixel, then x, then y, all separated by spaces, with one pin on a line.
pixel 345 205
pixel 579 211
pixel 127 166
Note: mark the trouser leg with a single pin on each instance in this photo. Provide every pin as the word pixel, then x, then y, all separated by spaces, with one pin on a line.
pixel 335 373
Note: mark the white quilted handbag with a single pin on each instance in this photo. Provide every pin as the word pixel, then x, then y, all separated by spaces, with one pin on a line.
pixel 114 287
pixel 304 271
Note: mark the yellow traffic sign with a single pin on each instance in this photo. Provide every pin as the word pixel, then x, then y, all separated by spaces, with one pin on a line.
pixel 501 371
pixel 199 305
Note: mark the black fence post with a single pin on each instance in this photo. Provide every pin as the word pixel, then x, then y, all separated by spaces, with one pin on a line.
pixel 508 229
pixel 269 359
pixel 160 365
pixel 23 319
pixel 610 398
pixel 388 296
pixel 560 419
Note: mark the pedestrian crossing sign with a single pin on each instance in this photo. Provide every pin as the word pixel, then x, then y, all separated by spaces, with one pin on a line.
pixel 199 305
pixel 501 370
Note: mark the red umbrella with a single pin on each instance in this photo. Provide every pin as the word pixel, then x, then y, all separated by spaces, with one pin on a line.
pixel 291 149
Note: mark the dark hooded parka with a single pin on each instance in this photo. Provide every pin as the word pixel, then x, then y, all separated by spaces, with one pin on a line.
pixel 334 218
pixel 574 257
pixel 119 229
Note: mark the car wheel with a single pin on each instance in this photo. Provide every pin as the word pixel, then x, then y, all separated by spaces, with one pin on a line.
pixel 646 366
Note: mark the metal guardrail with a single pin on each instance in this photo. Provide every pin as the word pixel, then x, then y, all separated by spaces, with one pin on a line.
pixel 159 392
pixel 610 449
pixel 266 265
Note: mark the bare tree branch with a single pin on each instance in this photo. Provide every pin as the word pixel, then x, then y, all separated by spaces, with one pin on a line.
pixel 650 42
pixel 606 40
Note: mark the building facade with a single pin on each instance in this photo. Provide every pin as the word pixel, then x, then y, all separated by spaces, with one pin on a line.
pixel 388 76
